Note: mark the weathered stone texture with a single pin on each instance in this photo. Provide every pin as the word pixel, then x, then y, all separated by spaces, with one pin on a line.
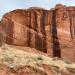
pixel 51 31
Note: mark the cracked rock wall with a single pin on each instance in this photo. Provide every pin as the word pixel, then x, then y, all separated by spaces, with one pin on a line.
pixel 51 31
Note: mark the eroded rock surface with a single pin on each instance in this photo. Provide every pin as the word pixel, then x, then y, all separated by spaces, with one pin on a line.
pixel 51 31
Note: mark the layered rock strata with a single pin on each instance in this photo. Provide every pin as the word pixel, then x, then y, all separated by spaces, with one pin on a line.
pixel 51 31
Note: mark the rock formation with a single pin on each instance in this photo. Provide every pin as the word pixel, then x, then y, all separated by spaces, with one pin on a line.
pixel 51 31
pixel 27 26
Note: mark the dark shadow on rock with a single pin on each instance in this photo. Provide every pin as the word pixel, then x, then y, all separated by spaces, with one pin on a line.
pixel 55 40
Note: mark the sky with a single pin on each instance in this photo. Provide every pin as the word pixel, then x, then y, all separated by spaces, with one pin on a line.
pixel 9 5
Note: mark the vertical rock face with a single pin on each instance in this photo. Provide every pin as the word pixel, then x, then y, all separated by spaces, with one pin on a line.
pixel 51 31
pixel 26 28
pixel 65 31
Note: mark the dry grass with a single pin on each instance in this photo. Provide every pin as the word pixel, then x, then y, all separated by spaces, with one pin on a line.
pixel 15 58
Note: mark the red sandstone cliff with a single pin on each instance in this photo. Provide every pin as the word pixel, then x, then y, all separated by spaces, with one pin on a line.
pixel 51 31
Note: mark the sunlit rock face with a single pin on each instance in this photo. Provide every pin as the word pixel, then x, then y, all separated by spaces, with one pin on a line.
pixel 26 28
pixel 51 31
pixel 65 22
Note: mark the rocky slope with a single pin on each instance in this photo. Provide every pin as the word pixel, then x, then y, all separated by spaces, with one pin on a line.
pixel 14 61
pixel 51 31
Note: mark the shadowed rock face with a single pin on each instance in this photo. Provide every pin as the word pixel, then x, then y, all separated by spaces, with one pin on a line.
pixel 51 31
